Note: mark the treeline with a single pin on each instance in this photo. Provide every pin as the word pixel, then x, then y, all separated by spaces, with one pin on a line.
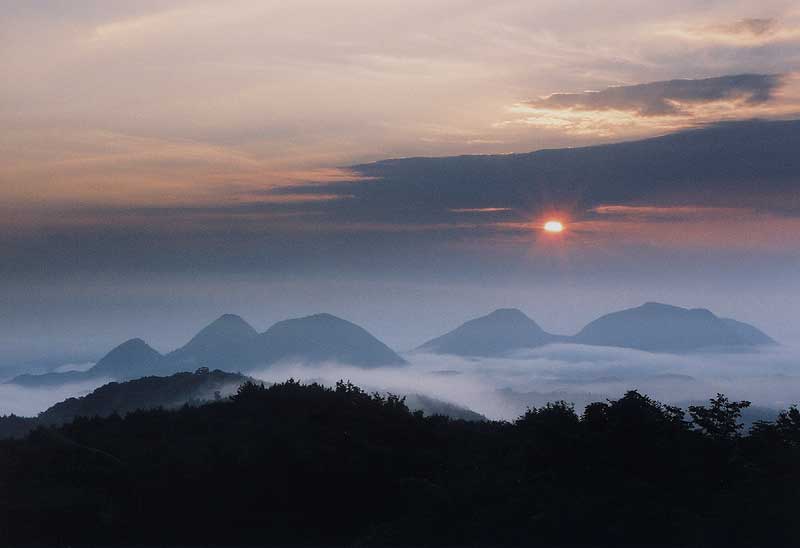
pixel 294 464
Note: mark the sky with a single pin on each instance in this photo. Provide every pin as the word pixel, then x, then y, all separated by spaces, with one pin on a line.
pixel 166 161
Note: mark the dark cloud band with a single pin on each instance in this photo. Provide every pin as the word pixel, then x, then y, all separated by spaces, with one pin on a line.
pixel 667 97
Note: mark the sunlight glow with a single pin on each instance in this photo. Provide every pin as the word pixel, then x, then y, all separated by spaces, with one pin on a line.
pixel 553 226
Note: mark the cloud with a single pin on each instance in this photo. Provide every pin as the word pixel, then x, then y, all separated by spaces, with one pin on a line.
pixel 751 26
pixel 661 106
pixel 668 97
pixel 67 367
pixel 747 33
pixel 479 209
pixel 722 188
pixel 668 213
pixel 502 388
pixel 28 402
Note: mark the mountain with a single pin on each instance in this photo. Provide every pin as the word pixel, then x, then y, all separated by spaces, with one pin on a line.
pixel 146 393
pixel 431 406
pixel 224 343
pixel 51 379
pixel 131 359
pixel 123 397
pixel 748 334
pixel 657 327
pixel 175 391
pixel 322 338
pixel 654 327
pixel 231 344
pixel 495 334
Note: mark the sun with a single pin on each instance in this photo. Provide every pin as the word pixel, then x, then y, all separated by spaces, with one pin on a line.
pixel 553 226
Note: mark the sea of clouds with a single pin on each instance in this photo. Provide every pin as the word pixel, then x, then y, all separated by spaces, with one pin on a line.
pixel 502 388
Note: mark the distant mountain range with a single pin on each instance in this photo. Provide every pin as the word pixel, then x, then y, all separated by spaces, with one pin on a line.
pixel 653 327
pixel 231 344
pixel 657 327
pixel 174 391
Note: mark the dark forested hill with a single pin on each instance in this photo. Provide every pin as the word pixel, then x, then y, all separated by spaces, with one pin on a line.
pixel 123 397
pixel 173 391
pixel 306 465
pixel 146 393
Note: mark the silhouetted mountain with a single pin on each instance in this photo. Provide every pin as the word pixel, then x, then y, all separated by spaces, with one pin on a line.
pixel 322 338
pixel 432 406
pixel 147 393
pixel 229 343
pixel 653 327
pixel 224 343
pixel 52 379
pixel 495 334
pixel 133 358
pixel 174 391
pixel 659 327
pixel 748 334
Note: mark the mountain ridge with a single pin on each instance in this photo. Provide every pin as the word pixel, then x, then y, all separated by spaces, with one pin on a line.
pixel 491 335
pixel 652 326
pixel 230 343
pixel 176 390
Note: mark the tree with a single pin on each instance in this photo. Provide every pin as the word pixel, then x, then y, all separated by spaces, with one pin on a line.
pixel 720 420
pixel 788 425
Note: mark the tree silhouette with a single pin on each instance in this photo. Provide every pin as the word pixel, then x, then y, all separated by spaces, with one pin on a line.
pixel 720 420
pixel 303 464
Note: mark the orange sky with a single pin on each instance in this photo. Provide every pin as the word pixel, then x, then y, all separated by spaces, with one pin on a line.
pixel 166 102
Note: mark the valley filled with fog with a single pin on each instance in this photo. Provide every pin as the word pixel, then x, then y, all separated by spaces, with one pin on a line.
pixel 502 388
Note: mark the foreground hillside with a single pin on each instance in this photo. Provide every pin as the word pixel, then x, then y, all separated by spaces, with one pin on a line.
pixel 174 391
pixel 295 464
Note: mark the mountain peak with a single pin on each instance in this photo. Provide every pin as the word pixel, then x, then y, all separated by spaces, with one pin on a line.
pixel 657 305
pixel 319 317
pixel 136 342
pixel 508 314
pixel 323 337
pixel 222 343
pixel 659 327
pixel 495 334
pixel 231 322
pixel 129 358
pixel 227 329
